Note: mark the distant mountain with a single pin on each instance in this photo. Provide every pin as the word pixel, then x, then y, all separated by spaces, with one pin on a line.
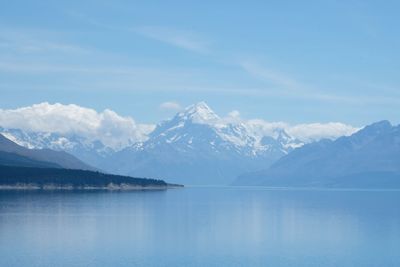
pixel 194 147
pixel 15 154
pixel 90 152
pixel 198 147
pixel 368 158
pixel 23 168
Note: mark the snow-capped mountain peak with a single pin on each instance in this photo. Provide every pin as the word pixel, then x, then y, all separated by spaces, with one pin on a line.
pixel 198 128
pixel 198 146
pixel 198 113
pixel 195 144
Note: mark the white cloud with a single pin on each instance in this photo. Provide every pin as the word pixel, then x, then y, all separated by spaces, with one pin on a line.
pixel 316 131
pixel 112 129
pixel 182 39
pixel 232 117
pixel 118 131
pixel 258 128
pixel 308 132
pixel 234 114
pixel 170 106
pixel 262 128
pixel 305 132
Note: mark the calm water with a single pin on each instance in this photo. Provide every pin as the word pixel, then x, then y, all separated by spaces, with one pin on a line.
pixel 201 227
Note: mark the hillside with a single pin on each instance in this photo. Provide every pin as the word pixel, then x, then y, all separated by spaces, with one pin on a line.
pixel 12 159
pixel 47 156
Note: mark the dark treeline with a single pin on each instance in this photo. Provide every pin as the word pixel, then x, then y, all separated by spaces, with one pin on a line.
pixel 11 175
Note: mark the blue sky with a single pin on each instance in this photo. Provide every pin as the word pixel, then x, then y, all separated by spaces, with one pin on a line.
pixel 292 61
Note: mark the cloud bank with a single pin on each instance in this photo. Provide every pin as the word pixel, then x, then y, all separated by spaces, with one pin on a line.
pixel 110 128
pixel 306 133
pixel 316 131
pixel 117 131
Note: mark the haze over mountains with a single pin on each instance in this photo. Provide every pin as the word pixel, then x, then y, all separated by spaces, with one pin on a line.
pixel 196 146
pixel 368 158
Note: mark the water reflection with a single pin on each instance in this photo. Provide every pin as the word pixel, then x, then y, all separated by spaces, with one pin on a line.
pixel 200 227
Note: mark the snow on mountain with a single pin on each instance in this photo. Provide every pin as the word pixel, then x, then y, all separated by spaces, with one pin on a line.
pixel 91 152
pixel 199 147
pixel 198 113
pixel 196 146
pixel 38 140
pixel 235 134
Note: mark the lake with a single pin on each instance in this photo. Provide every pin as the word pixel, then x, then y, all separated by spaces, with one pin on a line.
pixel 201 226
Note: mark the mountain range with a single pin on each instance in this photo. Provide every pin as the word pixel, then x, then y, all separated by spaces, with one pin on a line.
pixel 370 158
pixel 90 152
pixel 23 168
pixel 197 147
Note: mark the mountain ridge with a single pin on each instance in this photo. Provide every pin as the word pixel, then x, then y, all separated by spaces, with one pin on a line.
pixel 59 158
pixel 372 153
pixel 196 146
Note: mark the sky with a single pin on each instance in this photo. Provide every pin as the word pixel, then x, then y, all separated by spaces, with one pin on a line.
pixel 290 61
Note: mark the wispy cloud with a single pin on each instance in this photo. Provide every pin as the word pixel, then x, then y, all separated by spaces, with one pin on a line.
pixel 83 17
pixel 130 78
pixel 178 38
pixel 105 77
pixel 30 42
pixel 269 75
pixel 170 106
pixel 287 86
pixel 34 67
pixel 183 39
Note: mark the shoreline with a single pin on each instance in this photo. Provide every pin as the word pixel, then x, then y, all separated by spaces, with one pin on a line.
pixel 70 187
